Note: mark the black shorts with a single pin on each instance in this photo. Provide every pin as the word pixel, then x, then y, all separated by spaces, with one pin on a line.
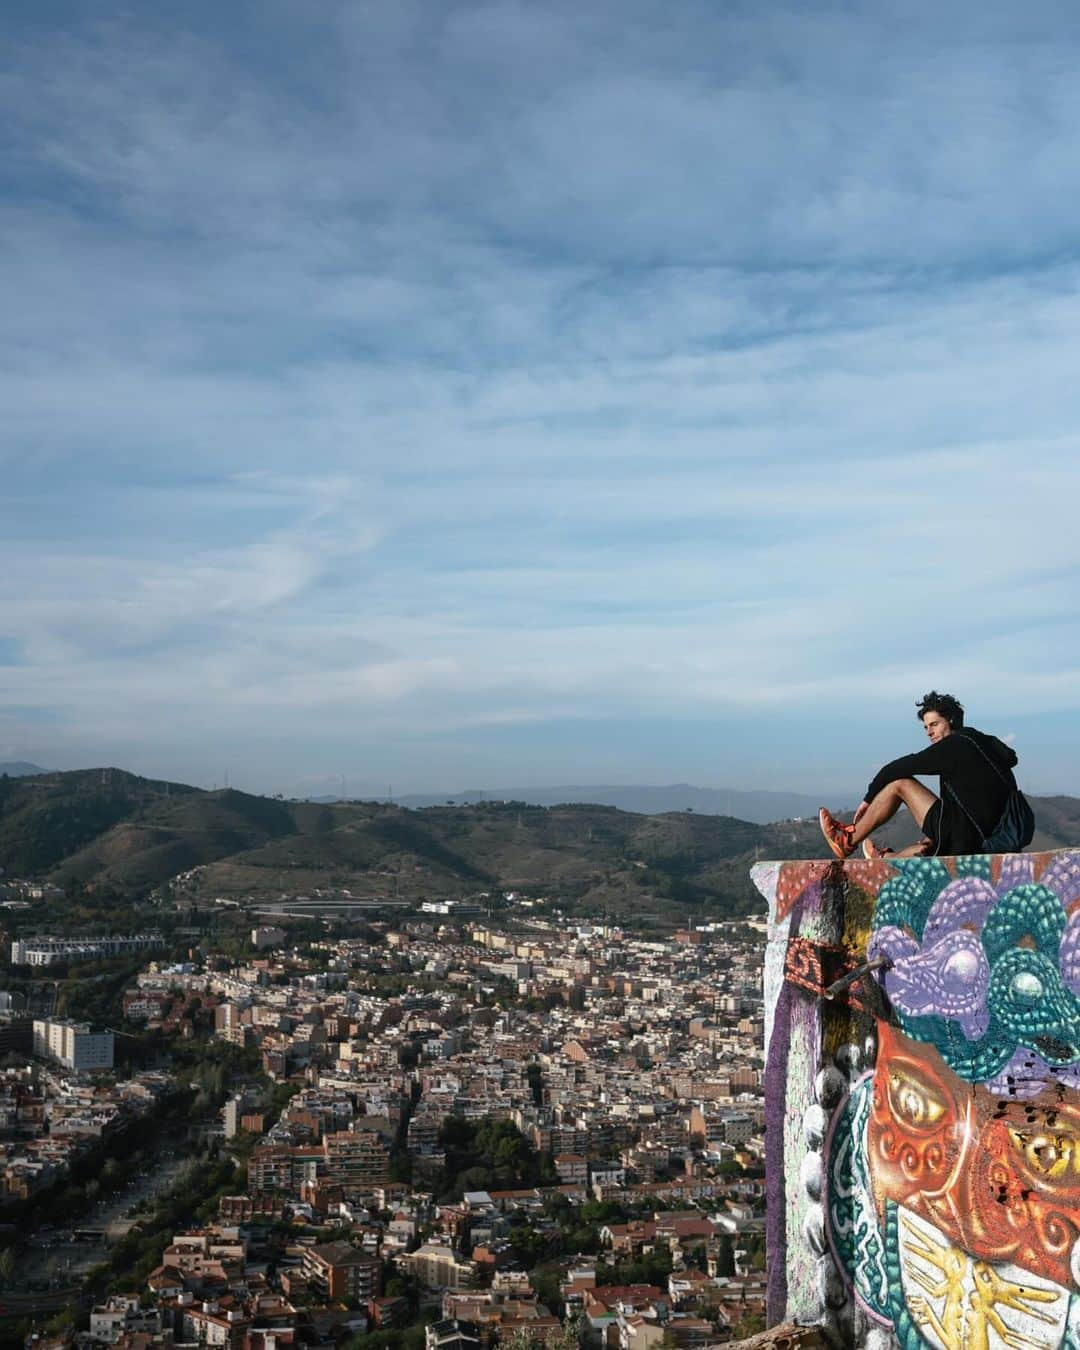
pixel 956 836
pixel 931 826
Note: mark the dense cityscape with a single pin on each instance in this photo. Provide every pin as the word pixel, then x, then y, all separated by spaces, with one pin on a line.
pixel 483 1123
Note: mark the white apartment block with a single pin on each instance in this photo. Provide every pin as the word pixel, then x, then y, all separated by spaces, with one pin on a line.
pixel 44 951
pixel 73 1045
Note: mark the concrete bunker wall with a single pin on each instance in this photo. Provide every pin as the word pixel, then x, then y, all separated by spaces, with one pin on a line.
pixel 923 1136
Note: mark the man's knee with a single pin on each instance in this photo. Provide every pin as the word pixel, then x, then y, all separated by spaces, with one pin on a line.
pixel 907 790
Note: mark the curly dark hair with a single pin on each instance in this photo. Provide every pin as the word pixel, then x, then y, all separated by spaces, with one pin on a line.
pixel 950 708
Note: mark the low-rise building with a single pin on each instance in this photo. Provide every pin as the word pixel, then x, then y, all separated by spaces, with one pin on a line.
pixel 339 1271
pixel 437 1266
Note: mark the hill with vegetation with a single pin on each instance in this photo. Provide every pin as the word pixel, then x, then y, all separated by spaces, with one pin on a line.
pixel 759 806
pixel 111 831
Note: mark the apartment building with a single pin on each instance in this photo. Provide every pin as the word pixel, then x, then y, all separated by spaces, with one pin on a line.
pixel 283 1167
pixel 45 951
pixel 337 1270
pixel 72 1044
pixel 437 1266
pixel 356 1160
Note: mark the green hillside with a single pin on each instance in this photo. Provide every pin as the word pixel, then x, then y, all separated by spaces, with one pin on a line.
pixel 174 832
pixel 45 818
pixel 597 855
pixel 107 830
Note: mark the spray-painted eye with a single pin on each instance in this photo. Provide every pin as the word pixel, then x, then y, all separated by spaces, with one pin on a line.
pixel 914 1101
pixel 1049 1154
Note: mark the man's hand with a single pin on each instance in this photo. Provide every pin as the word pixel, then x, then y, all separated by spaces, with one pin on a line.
pixel 860 811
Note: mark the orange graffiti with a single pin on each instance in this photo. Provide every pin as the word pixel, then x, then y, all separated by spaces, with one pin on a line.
pixel 999 1178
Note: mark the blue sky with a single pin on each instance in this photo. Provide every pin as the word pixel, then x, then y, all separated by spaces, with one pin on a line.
pixel 458 395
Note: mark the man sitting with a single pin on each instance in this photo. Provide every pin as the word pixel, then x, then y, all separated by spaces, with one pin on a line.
pixel 976 781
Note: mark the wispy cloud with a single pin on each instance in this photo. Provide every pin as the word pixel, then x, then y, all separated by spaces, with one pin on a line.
pixel 424 393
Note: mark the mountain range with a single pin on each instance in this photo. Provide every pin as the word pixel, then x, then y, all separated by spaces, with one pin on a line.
pixel 112 831
pixel 761 807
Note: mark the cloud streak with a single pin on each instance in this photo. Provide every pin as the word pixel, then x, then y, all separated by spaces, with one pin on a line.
pixel 530 392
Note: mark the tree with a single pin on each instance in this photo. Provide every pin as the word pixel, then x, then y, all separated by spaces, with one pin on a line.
pixel 603 1211
pixel 485 1155
pixel 569 1338
pixel 753 1251
pixel 529 1246
pixel 535 1077
pixel 748 1325
pixel 62 1323
pixel 545 1280
pixel 652 1268
pixel 401 1168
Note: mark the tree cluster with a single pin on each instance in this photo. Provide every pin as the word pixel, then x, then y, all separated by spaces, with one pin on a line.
pixel 489 1155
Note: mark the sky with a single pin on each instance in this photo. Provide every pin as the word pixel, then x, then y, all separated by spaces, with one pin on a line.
pixel 443 395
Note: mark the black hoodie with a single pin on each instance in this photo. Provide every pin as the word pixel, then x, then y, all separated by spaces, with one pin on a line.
pixel 976 778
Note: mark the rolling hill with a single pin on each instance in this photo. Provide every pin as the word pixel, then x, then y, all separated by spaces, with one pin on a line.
pixel 107 830
pixel 760 807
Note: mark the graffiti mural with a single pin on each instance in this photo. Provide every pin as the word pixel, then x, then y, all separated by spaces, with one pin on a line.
pixel 924 1118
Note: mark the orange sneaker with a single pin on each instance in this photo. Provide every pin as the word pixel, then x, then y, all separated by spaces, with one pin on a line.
pixel 870 850
pixel 837 835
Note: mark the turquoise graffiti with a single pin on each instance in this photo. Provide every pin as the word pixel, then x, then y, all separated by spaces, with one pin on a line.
pixel 987 971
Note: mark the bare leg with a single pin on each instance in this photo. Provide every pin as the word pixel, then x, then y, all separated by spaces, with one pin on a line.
pixel 907 792
pixel 917 850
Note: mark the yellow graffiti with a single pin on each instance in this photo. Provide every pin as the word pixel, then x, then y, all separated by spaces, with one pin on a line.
pixel 1054 1155
pixel 913 1100
pixel 966 1319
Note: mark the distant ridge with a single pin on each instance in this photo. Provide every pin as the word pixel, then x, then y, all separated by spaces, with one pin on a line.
pixel 761 807
pixel 114 831
pixel 20 768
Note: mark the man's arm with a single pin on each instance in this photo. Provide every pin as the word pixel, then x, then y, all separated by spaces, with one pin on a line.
pixel 935 759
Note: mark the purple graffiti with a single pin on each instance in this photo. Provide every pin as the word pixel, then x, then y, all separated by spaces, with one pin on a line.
pixel 1063 878
pixel 947 974
pixel 962 904
pixel 948 979
pixel 1017 869
pixel 891 942
pixel 1027 1073
pixel 1069 956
